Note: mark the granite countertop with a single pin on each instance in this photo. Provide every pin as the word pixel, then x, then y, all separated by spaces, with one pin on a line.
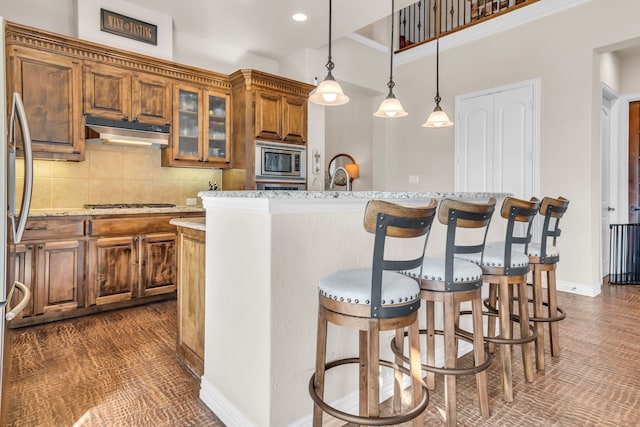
pixel 34 213
pixel 345 195
pixel 194 223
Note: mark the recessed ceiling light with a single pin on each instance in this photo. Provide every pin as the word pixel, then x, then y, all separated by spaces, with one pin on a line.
pixel 300 17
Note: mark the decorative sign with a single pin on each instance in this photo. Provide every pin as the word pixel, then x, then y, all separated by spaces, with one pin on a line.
pixel 124 26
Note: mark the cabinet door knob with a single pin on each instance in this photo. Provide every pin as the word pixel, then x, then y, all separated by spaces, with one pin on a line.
pixel 40 246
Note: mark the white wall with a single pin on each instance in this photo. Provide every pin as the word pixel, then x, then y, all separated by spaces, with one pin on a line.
pixel 630 74
pixel 58 16
pixel 560 50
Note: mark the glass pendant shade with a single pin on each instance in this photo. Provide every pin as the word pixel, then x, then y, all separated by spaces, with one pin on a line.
pixel 438 119
pixel 329 93
pixel 390 107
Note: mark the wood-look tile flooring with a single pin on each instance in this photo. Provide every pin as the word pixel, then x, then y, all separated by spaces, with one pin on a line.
pixel 111 369
pixel 119 369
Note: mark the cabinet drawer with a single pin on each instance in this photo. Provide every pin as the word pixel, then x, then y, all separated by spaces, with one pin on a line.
pixel 39 229
pixel 130 226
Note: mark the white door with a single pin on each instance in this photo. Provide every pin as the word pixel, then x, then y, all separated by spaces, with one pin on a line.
pixel 474 144
pixel 496 143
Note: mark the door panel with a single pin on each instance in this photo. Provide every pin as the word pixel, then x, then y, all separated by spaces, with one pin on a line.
pixel 513 142
pixel 475 156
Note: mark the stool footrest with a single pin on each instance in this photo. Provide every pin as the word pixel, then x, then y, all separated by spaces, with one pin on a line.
pixel 516 341
pixel 369 421
pixel 549 319
pixel 446 371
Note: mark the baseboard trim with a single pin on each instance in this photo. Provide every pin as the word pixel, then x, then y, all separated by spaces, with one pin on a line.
pixel 579 288
pixel 223 408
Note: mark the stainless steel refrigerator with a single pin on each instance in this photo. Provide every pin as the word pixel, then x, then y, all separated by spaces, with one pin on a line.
pixel 14 129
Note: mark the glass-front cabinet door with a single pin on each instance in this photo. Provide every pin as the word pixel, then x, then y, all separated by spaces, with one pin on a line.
pixel 189 126
pixel 217 136
pixel 201 123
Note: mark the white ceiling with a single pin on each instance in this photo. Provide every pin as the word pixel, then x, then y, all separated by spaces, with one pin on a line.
pixel 265 27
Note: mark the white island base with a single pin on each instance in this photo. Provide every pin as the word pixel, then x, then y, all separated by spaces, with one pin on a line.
pixel 265 253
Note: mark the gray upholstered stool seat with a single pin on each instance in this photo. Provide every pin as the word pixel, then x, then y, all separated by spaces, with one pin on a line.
pixel 433 273
pixel 535 249
pixel 354 287
pixel 493 256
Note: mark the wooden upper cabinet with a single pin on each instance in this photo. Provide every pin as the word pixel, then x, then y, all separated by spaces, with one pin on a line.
pixel 51 89
pixel 294 119
pixel 268 115
pixel 121 94
pixel 281 117
pixel 107 91
pixel 151 99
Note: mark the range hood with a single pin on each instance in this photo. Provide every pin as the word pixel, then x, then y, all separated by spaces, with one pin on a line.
pixel 123 132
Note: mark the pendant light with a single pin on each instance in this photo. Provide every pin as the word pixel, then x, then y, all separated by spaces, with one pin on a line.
pixel 390 107
pixel 438 118
pixel 329 92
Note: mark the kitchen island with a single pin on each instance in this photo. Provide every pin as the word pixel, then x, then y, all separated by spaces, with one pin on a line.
pixel 265 253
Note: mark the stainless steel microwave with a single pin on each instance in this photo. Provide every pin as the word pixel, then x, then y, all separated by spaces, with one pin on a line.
pixel 278 162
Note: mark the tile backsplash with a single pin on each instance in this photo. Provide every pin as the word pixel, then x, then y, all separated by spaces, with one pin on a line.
pixel 113 174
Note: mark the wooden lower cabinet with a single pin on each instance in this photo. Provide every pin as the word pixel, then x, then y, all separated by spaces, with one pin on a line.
pixel 123 268
pixel 76 266
pixel 112 270
pixel 54 272
pixel 59 276
pixel 52 268
pixel 191 287
pixel 157 262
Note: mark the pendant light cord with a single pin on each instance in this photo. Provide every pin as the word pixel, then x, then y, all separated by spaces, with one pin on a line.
pixel 391 84
pixel 329 62
pixel 437 98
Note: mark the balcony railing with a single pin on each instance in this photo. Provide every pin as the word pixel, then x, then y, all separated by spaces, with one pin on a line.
pixel 418 23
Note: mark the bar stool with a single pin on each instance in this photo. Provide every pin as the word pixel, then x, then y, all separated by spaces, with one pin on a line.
pixel 372 300
pixel 451 280
pixel 505 265
pixel 543 257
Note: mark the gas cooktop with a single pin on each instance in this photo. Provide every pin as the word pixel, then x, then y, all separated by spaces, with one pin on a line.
pixel 129 205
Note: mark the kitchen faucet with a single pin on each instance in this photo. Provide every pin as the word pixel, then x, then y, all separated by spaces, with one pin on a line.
pixel 346 175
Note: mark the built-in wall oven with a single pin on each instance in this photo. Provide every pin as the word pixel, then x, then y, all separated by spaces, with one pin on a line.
pixel 281 186
pixel 280 166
